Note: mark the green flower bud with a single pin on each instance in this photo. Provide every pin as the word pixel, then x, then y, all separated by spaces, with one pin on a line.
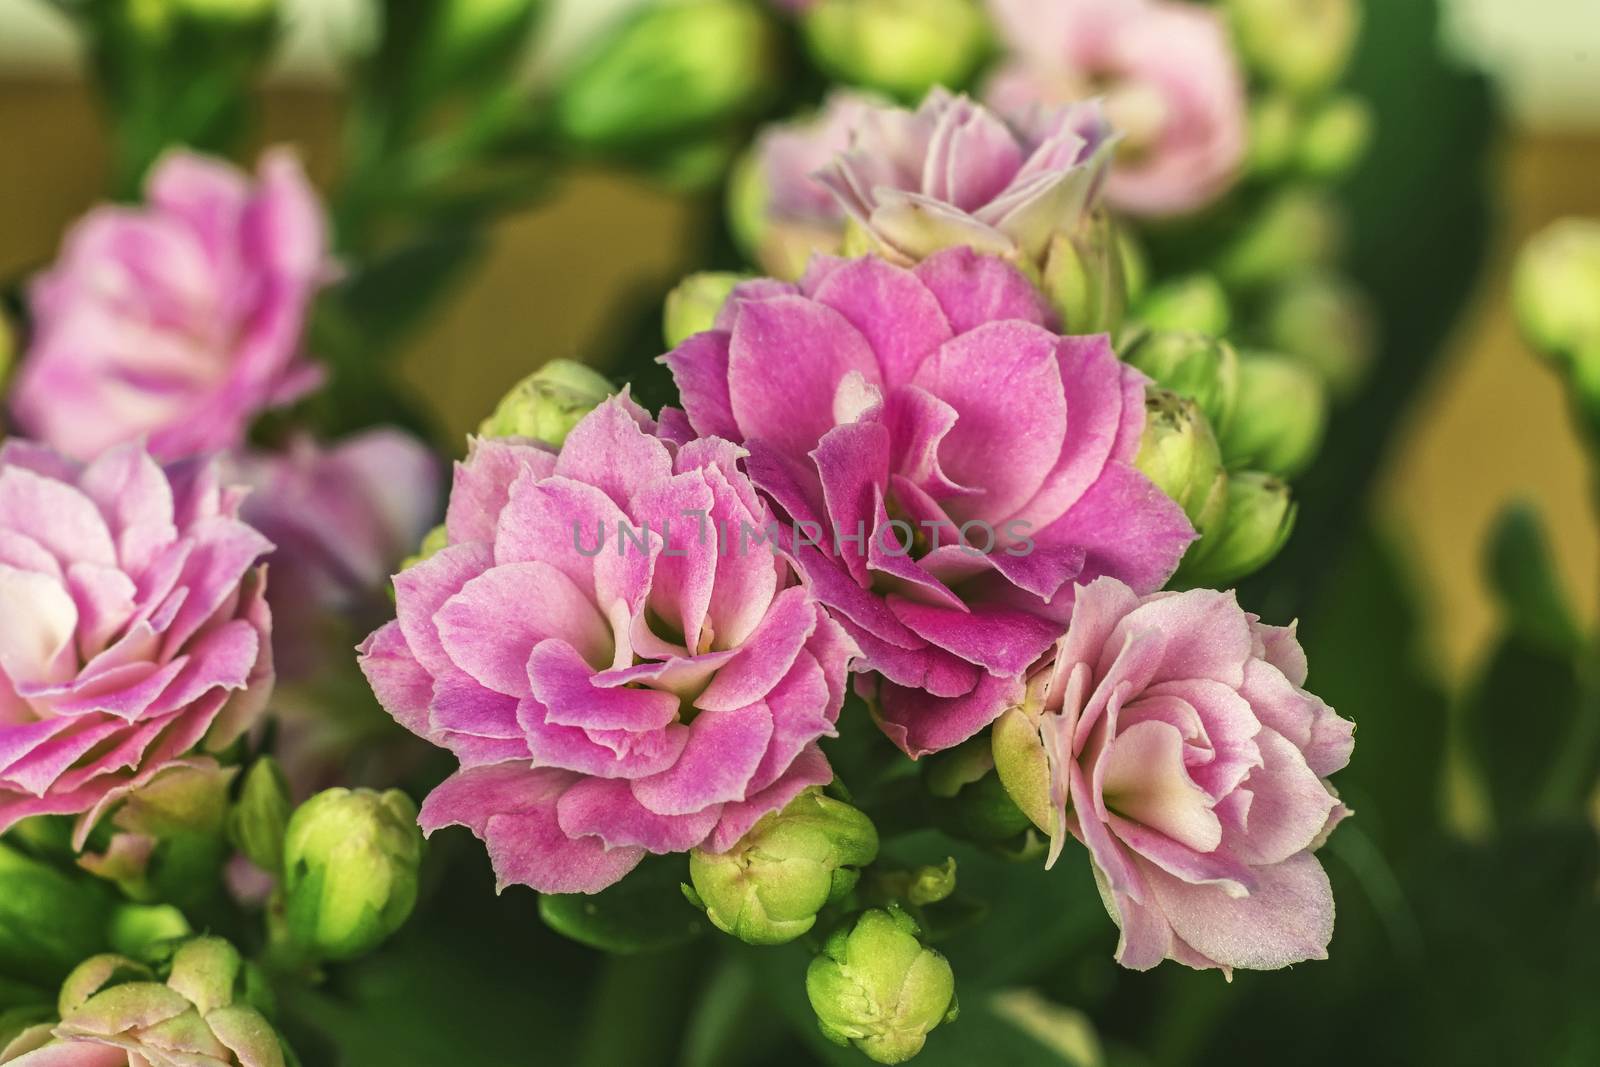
pixel 1275 133
pixel 435 540
pixel 1278 417
pixel 1301 45
pixel 137 929
pixel 257 822
pixel 1195 303
pixel 24 1028
pixel 350 871
pixel 169 839
pixel 1335 137
pixel 1557 289
pixel 49 920
pixel 548 403
pixel 1180 454
pixel 1257 523
pixel 668 71
pixel 1299 228
pixel 969 801
pixel 901 47
pixel 1083 276
pixel 877 987
pixel 1020 761
pixel 693 304
pixel 8 350
pixel 1200 368
pixel 770 886
pixel 932 883
pixel 1326 322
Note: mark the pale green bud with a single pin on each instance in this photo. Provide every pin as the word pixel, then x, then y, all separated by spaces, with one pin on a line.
pixel 769 887
pixel 169 839
pixel 969 801
pixel 1297 229
pixel 1301 45
pixel 1275 131
pixel 1557 289
pixel 259 818
pixel 1278 417
pixel 932 883
pixel 878 987
pixel 1020 761
pixel 137 929
pixel 1327 322
pixel 901 47
pixel 1257 523
pixel 350 871
pixel 668 71
pixel 1335 137
pixel 1179 453
pixel 1194 303
pixel 1083 276
pixel 1201 368
pixel 49 920
pixel 693 304
pixel 548 403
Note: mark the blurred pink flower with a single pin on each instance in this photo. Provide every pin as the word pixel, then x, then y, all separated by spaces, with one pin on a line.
pixel 608 693
pixel 342 518
pixel 1167 74
pixel 955 464
pixel 178 321
pixel 954 173
pixel 134 630
pixel 1185 754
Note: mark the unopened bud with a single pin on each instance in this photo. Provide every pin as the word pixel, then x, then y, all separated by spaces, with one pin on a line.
pixel 435 540
pixel 1301 45
pixel 1297 229
pixel 1258 520
pixel 1179 453
pixel 350 871
pixel 900 47
pixel 1083 276
pixel 1278 417
pixel 548 403
pixel 169 838
pixel 769 887
pixel 1200 368
pixel 668 71
pixel 1326 322
pixel 878 987
pixel 261 815
pixel 693 304
pixel 1335 137
pixel 1275 131
pixel 1195 303
pixel 8 348
pixel 1557 289
pixel 969 801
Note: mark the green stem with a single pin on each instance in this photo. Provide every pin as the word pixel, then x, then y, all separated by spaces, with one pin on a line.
pixel 639 1007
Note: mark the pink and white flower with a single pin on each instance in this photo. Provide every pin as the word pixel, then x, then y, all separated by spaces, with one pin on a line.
pixel 617 669
pixel 179 321
pixel 134 630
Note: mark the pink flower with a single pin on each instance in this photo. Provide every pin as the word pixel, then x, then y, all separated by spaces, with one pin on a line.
pixel 977 462
pixel 1169 79
pixel 610 690
pixel 953 173
pixel 784 213
pixel 179 321
pixel 134 628
pixel 343 518
pixel 1183 752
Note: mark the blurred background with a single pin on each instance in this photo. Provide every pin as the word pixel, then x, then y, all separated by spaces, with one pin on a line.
pixel 1489 424
pixel 1458 920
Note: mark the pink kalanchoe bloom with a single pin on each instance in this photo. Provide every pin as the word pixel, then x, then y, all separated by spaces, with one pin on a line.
pixel 609 691
pixel 134 628
pixel 343 518
pixel 934 405
pixel 954 173
pixel 783 212
pixel 1184 753
pixel 179 321
pixel 1170 83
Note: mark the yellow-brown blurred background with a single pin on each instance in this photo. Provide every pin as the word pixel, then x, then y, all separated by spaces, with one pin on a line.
pixel 1490 426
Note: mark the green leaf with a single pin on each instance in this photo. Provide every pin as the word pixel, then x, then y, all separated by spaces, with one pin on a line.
pixel 644 912
pixel 1524 578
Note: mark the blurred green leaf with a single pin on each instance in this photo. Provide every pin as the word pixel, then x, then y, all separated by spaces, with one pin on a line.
pixel 1523 575
pixel 644 912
